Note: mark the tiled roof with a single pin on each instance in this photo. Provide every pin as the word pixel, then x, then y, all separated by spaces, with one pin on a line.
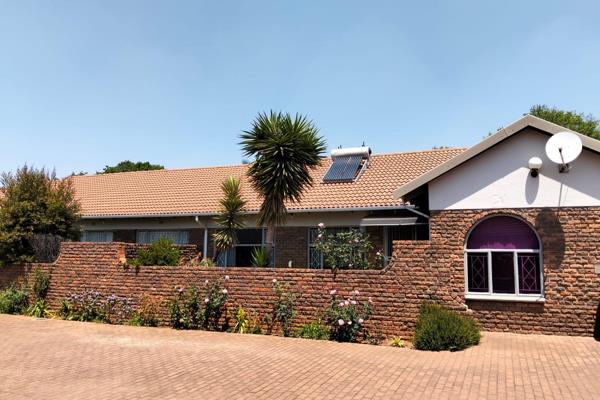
pixel 197 190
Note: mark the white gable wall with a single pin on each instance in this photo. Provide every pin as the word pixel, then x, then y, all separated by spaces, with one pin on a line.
pixel 499 178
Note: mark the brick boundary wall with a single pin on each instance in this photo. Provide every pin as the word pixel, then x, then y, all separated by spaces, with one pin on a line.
pixel 418 271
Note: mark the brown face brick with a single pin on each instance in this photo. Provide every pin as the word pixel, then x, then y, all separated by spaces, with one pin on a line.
pixel 419 271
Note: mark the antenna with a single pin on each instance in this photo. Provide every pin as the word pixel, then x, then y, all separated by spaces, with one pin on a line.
pixel 562 149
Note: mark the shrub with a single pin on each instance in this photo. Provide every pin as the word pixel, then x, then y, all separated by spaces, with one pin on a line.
pixel 91 306
pixel 283 308
pixel 188 312
pixel 346 318
pixel 397 342
pixel 347 249
pixel 314 330
pixel 441 329
pixel 146 313
pixel 245 322
pixel 41 284
pixel 14 300
pixel 260 257
pixel 214 304
pixel 161 252
pixel 38 309
pixel 597 324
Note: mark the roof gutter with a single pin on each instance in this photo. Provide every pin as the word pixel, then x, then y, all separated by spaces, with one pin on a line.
pixel 294 211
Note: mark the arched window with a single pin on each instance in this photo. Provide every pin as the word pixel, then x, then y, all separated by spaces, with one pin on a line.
pixel 502 260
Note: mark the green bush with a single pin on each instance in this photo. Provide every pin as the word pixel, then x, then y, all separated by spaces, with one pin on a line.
pixel 260 257
pixel 314 330
pixel 14 300
pixel 441 329
pixel 597 325
pixel 188 312
pixel 283 308
pixel 41 284
pixel 38 309
pixel 161 252
pixel 347 318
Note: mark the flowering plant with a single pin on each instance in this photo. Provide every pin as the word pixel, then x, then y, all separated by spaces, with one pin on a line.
pixel 344 250
pixel 283 308
pixel 92 306
pixel 347 317
pixel 190 311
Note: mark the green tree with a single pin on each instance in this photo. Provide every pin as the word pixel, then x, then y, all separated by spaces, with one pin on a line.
pixel 230 217
pixel 35 203
pixel 285 149
pixel 578 122
pixel 130 166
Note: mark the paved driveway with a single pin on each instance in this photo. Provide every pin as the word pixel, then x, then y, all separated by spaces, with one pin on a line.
pixel 46 359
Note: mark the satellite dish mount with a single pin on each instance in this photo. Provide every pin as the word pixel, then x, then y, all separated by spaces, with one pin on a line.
pixel 563 148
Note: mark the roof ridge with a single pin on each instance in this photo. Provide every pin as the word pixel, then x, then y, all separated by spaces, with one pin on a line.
pixel 244 165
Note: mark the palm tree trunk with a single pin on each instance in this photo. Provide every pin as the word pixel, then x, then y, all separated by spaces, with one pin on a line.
pixel 269 241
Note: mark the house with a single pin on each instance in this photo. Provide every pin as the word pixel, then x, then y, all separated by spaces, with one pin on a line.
pixel 499 230
pixel 514 239
pixel 352 189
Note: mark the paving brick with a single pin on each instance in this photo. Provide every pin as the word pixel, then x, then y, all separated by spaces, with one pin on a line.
pixel 53 359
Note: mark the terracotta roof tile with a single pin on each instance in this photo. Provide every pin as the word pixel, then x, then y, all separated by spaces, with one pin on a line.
pixel 197 190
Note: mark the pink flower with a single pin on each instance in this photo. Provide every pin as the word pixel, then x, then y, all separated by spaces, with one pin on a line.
pixel 274 280
pixel 346 302
pixel 321 225
pixel 349 322
pixel 360 321
pixel 332 292
pixel 353 302
pixel 356 292
pixel 226 277
pixel 206 300
pixel 206 282
pixel 341 322
pixel 341 304
pixel 224 291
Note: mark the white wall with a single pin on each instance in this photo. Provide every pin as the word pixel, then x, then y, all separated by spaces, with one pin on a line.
pixel 499 178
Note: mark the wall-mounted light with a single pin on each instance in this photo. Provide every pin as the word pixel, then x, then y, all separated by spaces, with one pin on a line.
pixel 535 164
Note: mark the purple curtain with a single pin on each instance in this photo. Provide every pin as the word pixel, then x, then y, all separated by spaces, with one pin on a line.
pixel 502 233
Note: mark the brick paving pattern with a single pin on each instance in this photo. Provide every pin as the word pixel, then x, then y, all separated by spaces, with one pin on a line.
pixel 50 359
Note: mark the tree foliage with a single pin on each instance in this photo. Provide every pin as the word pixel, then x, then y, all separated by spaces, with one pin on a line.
pixel 130 166
pixel 229 218
pixel 285 149
pixel 578 122
pixel 35 203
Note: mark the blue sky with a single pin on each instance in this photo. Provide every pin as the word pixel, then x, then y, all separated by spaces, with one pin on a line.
pixel 84 84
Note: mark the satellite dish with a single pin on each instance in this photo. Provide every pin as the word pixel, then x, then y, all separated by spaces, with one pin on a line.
pixel 563 148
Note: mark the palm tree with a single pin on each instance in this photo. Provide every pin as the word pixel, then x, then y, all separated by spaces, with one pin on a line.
pixel 229 217
pixel 285 149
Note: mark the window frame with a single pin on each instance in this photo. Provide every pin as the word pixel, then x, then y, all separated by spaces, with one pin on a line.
pixel 109 235
pixel 180 232
pixel 490 295
pixel 224 261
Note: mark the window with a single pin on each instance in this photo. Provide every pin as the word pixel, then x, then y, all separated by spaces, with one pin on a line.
pixel 97 236
pixel 241 254
pixel 177 237
pixel 502 261
pixel 315 257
